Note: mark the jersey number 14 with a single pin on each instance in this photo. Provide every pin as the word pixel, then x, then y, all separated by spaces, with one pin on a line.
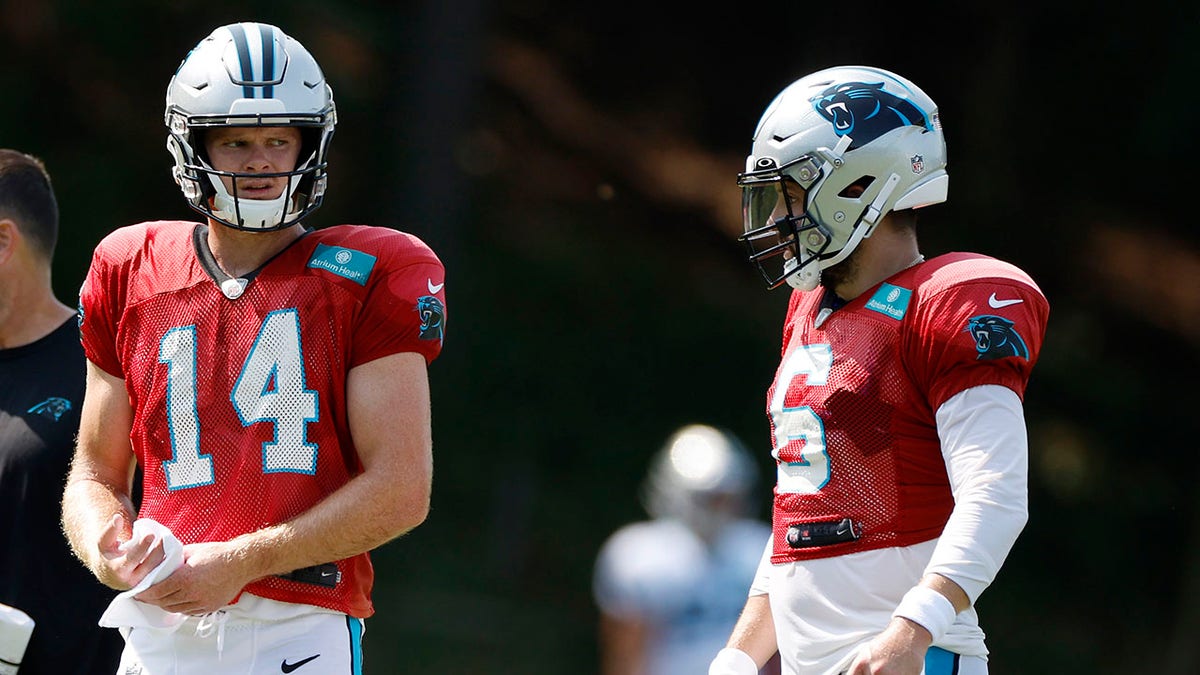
pixel 269 388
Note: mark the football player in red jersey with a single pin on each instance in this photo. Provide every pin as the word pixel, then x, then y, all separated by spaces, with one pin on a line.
pixel 269 380
pixel 896 413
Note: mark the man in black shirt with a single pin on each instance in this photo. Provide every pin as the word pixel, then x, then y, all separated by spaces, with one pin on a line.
pixel 41 388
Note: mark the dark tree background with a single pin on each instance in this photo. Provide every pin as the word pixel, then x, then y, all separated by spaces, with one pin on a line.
pixel 574 163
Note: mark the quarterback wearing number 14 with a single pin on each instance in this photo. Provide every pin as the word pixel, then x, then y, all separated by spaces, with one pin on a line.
pixel 271 377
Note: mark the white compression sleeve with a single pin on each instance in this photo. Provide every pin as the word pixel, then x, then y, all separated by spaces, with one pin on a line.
pixel 761 585
pixel 984 443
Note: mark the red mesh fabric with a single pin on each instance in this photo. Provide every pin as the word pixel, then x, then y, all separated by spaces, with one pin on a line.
pixel 853 403
pixel 240 405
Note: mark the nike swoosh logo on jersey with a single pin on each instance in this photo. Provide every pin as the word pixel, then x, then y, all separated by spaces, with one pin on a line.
pixel 997 304
pixel 289 667
pixel 434 288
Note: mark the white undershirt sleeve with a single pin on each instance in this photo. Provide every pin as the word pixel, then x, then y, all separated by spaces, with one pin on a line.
pixel 762 578
pixel 986 449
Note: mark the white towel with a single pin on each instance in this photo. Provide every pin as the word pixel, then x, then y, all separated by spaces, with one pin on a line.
pixel 124 610
pixel 15 629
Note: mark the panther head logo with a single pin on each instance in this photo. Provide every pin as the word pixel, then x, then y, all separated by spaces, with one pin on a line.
pixel 995 337
pixel 52 408
pixel 432 315
pixel 865 111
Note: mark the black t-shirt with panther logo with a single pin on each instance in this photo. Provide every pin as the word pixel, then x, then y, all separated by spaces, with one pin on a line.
pixel 41 391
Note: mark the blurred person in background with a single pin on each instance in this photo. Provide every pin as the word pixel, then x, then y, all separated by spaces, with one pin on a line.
pixel 669 589
pixel 896 411
pixel 41 388
pixel 271 377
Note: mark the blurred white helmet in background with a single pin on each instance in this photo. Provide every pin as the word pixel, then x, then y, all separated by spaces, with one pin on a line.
pixel 702 476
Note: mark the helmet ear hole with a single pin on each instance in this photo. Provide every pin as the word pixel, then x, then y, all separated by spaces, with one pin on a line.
pixel 857 188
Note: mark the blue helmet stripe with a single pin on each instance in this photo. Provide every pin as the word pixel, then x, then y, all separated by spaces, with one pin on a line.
pixel 243 48
pixel 268 52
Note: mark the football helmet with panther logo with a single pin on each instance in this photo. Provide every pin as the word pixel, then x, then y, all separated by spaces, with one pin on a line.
pixel 249 74
pixel 833 154
pixel 703 477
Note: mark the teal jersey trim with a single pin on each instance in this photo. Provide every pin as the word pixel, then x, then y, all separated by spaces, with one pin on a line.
pixel 356 653
pixel 938 661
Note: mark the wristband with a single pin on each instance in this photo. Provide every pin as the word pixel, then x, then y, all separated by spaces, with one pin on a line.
pixel 928 608
pixel 730 661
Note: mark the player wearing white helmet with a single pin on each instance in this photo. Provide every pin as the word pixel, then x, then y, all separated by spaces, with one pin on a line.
pixel 896 411
pixel 833 154
pixel 271 377
pixel 249 75
pixel 669 589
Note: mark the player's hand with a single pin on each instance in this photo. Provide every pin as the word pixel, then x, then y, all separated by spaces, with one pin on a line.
pixel 209 579
pixel 898 650
pixel 124 560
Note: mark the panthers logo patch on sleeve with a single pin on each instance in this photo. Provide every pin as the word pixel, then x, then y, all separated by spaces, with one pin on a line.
pixel 52 408
pixel 433 315
pixel 865 111
pixel 995 337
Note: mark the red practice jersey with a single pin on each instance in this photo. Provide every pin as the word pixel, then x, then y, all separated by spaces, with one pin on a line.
pixel 859 463
pixel 239 398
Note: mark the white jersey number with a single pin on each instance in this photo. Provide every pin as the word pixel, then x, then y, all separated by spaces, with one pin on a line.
pixel 270 388
pixel 802 462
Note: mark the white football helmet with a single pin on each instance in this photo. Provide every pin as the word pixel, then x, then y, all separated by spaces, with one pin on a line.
pixel 249 74
pixel 702 476
pixel 858 142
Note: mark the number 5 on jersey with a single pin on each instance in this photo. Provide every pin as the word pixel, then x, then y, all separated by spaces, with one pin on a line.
pixel 800 451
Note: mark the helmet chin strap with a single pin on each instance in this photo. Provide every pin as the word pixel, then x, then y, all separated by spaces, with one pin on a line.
pixel 806 278
pixel 250 214
pixel 255 214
